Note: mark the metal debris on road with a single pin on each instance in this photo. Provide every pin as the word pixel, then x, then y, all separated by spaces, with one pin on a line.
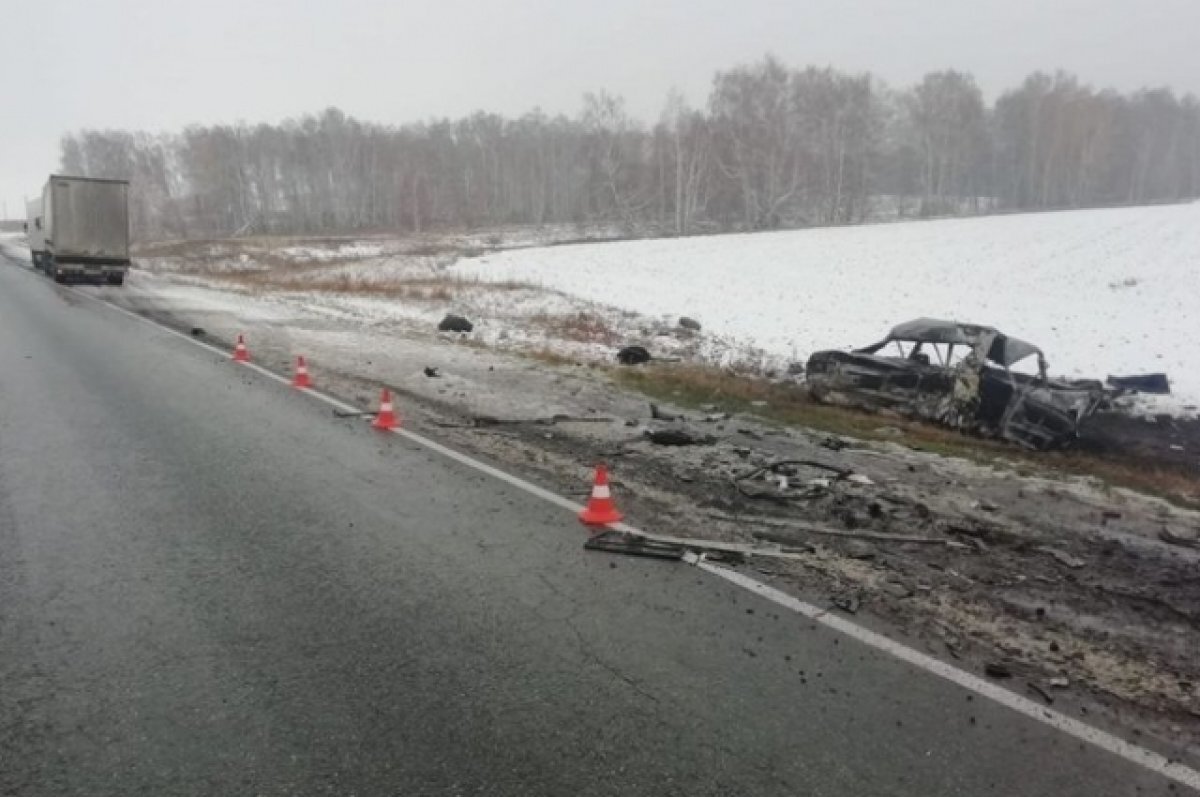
pixel 621 542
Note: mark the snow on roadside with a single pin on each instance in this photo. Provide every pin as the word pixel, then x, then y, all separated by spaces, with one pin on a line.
pixel 413 292
pixel 1100 291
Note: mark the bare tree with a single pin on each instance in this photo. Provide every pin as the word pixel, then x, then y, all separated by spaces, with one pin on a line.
pixel 758 145
pixel 946 115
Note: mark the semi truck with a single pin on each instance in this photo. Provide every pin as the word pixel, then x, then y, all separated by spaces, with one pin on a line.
pixel 79 229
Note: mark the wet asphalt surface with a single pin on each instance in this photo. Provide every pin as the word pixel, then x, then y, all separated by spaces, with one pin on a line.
pixel 210 585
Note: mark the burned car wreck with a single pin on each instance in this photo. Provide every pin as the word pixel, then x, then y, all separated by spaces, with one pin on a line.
pixel 959 375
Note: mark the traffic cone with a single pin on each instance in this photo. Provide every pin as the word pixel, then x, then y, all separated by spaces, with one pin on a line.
pixel 301 379
pixel 240 353
pixel 386 418
pixel 600 510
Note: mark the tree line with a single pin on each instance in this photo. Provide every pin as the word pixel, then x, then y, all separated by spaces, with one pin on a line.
pixel 774 147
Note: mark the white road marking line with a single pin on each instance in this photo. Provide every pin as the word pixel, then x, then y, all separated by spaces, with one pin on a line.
pixel 1148 759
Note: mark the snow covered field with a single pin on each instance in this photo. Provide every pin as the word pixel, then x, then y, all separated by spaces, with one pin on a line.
pixel 1101 291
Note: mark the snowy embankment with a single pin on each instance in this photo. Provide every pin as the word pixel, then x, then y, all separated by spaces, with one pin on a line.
pixel 1102 292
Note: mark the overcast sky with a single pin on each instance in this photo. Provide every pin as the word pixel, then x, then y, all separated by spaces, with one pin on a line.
pixel 161 64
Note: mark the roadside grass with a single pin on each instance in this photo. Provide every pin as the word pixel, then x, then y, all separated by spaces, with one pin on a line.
pixel 421 288
pixel 790 405
pixel 578 327
pixel 550 357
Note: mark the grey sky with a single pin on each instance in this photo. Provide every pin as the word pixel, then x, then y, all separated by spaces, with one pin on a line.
pixel 161 64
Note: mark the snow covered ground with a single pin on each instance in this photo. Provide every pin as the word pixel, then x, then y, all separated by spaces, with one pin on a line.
pixel 1113 291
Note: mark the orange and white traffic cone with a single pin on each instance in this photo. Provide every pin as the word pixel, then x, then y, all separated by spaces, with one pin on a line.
pixel 386 418
pixel 301 379
pixel 240 353
pixel 600 510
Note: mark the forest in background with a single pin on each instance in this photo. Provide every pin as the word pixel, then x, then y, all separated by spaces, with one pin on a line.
pixel 774 147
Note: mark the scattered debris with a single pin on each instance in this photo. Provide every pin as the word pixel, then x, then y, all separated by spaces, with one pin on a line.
pixel 620 542
pixel 715 550
pixel 848 603
pixel 994 669
pixel 633 355
pixel 896 589
pixel 678 436
pixel 1063 558
pixel 1184 539
pixel 1142 383
pixel 197 332
pixel 689 323
pixel 550 420
pixel 1059 682
pixel 784 465
pixel 858 549
pixel 455 323
pixel 431 372
pixel 659 414
pixel 813 528
pixel 859 478
pixel 1040 692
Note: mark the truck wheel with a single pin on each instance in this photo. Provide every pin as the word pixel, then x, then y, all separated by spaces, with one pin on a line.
pixel 116 279
pixel 60 278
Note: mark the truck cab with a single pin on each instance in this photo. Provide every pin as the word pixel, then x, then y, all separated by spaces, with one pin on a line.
pixel 35 233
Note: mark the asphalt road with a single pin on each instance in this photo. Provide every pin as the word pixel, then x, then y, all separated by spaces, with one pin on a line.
pixel 209 585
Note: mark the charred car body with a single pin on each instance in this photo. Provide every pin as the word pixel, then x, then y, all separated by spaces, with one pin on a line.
pixel 960 375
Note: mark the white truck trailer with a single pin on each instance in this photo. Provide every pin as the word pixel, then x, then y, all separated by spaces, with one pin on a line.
pixel 80 229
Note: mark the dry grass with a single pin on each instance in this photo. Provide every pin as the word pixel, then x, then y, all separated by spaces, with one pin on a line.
pixel 550 357
pixel 263 264
pixel 690 385
pixel 267 247
pixel 578 327
pixel 425 288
